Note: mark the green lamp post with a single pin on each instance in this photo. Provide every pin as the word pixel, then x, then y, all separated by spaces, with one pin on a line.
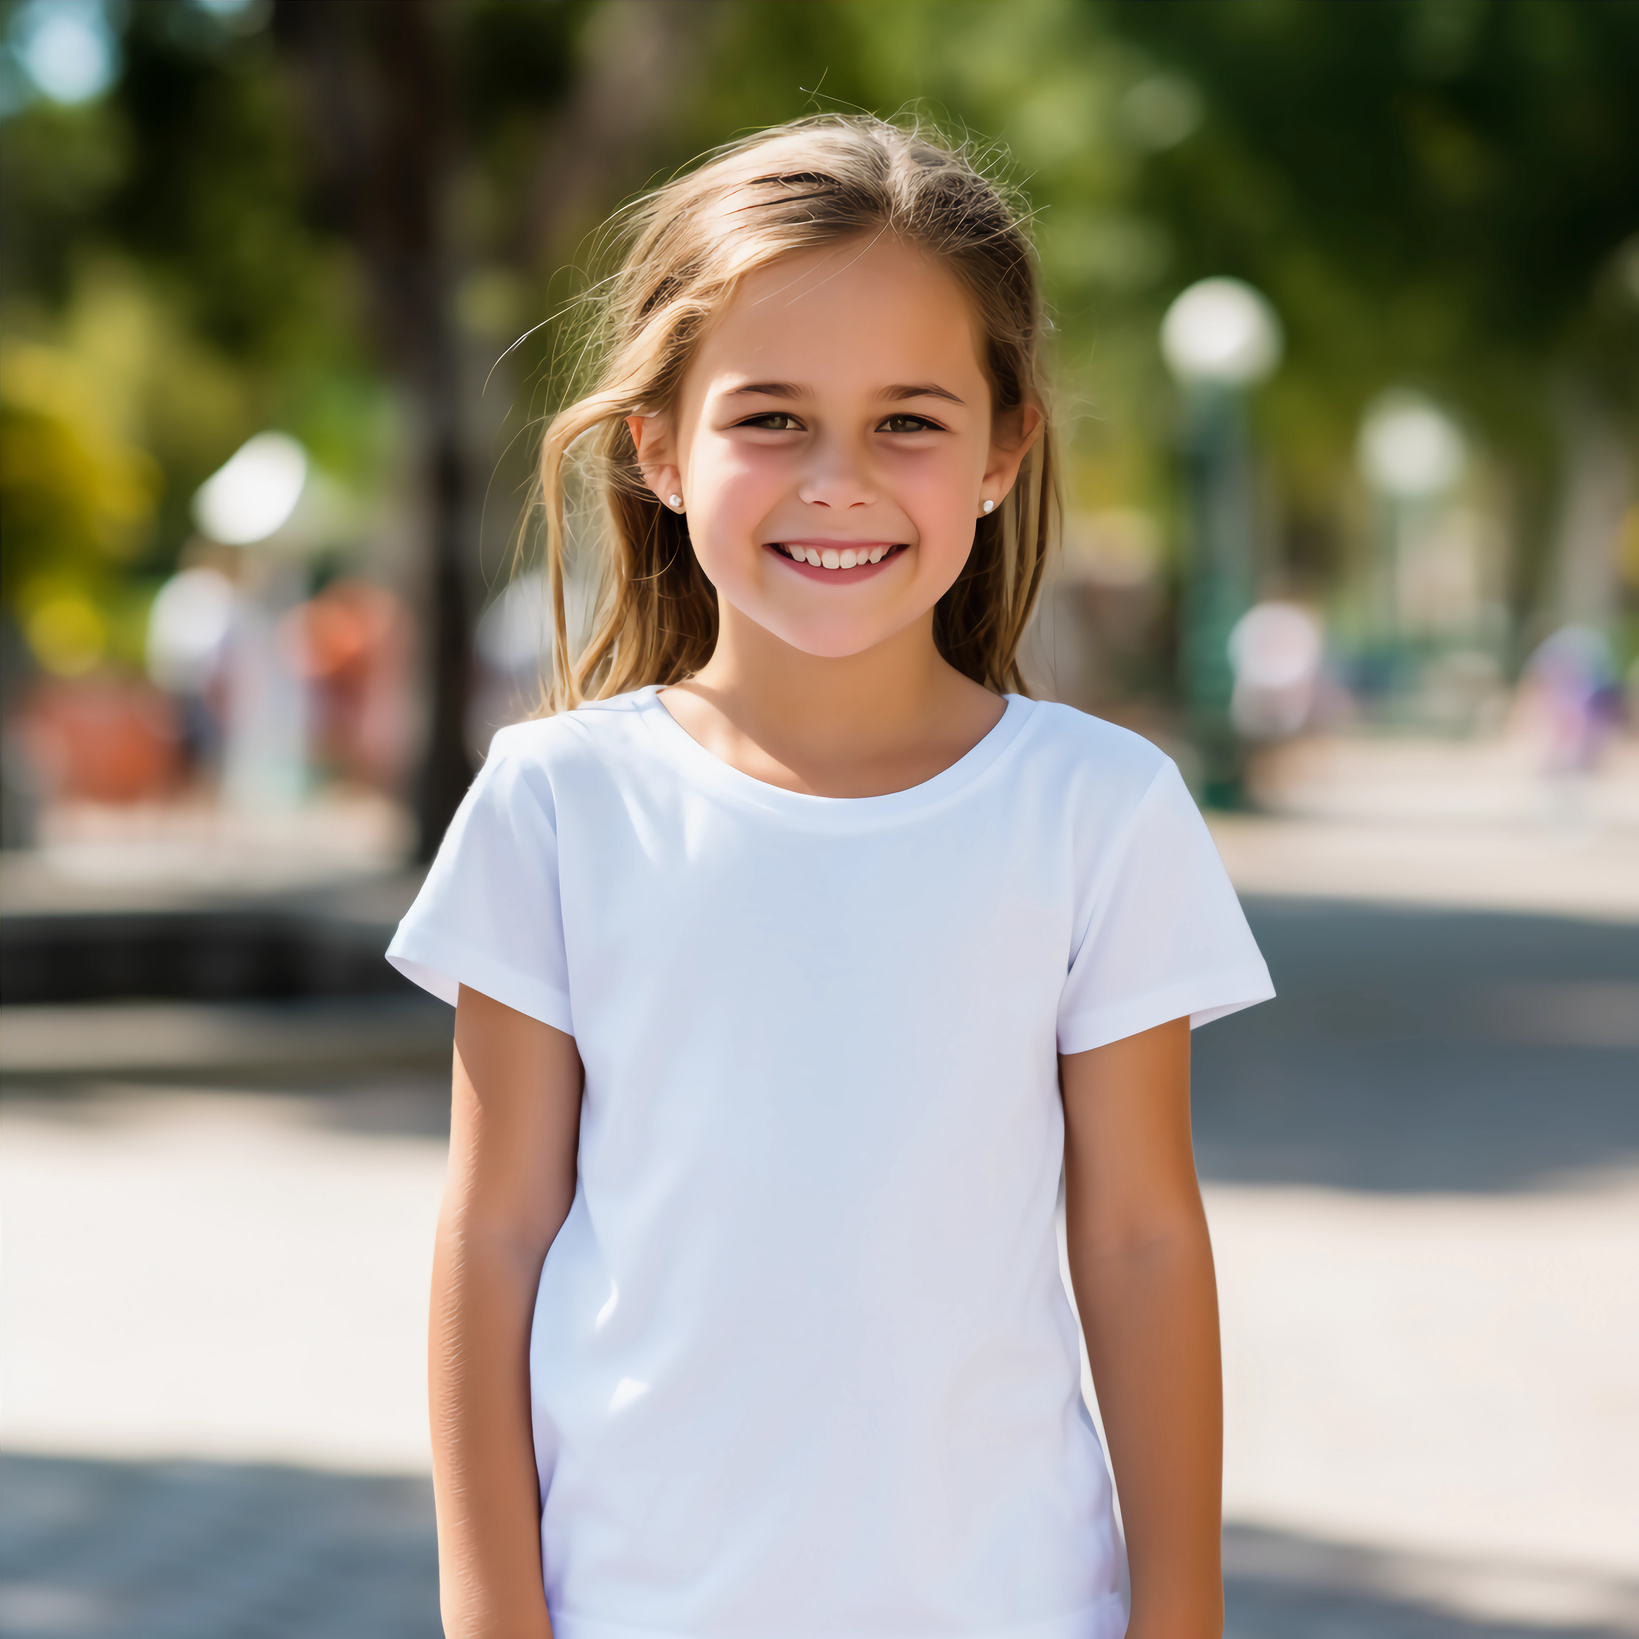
pixel 1219 338
pixel 1412 456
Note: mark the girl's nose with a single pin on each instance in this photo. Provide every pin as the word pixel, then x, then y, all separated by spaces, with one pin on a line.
pixel 839 477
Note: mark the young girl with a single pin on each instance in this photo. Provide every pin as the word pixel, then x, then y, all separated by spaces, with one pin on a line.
pixel 794 959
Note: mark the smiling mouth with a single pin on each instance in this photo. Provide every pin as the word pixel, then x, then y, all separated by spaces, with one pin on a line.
pixel 836 558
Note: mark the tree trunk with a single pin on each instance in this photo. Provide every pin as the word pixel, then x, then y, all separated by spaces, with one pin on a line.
pixel 1596 488
pixel 376 74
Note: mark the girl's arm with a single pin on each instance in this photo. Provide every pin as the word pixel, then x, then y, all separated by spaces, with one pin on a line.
pixel 515 1121
pixel 1141 1266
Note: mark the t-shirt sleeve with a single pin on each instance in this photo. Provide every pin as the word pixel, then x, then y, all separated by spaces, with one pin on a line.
pixel 1165 935
pixel 489 915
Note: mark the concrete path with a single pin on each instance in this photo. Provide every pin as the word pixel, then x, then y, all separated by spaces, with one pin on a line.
pixel 190 1550
pixel 1422 1169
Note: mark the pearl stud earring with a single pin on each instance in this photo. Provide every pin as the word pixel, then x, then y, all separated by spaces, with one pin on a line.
pixel 990 506
pixel 676 501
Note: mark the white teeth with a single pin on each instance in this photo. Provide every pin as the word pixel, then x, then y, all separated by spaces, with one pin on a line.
pixel 830 557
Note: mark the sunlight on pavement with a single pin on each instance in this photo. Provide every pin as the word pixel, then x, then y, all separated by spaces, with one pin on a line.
pixel 214 1275
pixel 1444 1375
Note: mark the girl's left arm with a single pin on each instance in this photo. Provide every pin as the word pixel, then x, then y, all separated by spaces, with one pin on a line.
pixel 1141 1266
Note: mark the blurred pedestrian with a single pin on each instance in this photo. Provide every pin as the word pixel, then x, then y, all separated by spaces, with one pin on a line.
pixel 794 957
pixel 189 624
pixel 1571 700
pixel 352 644
pixel 1276 650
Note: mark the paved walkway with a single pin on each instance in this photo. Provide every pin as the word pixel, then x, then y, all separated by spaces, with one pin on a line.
pixel 1422 1168
pixel 190 1550
pixel 1470 824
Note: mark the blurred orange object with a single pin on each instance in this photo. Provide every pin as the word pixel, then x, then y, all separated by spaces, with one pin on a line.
pixel 101 739
pixel 352 643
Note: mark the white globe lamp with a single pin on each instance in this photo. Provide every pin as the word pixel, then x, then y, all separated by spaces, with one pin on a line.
pixel 1221 332
pixel 1410 449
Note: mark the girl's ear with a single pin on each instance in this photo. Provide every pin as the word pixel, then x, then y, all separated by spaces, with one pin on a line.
pixel 1011 438
pixel 656 460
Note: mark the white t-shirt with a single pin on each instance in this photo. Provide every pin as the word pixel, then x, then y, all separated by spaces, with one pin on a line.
pixel 802 1363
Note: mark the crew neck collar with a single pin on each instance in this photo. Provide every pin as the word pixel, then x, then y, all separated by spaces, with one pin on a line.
pixel 705 768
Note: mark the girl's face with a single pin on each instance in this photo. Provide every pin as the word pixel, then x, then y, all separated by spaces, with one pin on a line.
pixel 834 444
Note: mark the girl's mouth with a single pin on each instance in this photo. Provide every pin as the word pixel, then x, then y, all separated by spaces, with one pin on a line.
pixel 832 561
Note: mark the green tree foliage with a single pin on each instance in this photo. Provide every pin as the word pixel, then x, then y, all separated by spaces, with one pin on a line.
pixel 1443 192
pixel 1436 192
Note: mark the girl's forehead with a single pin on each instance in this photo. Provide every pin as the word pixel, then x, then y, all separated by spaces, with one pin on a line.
pixel 858 304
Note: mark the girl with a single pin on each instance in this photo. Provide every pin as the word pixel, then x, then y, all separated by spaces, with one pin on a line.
pixel 794 959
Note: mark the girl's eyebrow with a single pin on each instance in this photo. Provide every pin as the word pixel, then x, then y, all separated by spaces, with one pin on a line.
pixel 770 389
pixel 926 389
pixel 893 395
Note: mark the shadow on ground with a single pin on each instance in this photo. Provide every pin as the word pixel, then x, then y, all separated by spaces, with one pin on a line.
pixel 1422 1050
pixel 1280 1585
pixel 1409 1050
pixel 397 1106
pixel 190 1550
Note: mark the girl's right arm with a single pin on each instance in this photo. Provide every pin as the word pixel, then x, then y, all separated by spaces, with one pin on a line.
pixel 514 1126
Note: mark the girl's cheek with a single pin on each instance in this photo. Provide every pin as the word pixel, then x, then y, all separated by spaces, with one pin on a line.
pixel 934 504
pixel 744 481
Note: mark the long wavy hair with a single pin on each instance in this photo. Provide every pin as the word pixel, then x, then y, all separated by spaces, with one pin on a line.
pixel 652 615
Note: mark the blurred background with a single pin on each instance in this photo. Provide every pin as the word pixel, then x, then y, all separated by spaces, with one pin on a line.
pixel 1346 325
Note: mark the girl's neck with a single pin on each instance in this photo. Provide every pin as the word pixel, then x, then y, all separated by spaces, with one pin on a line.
pixel 855 726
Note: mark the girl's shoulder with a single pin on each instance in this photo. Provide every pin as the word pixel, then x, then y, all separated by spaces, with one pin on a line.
pixel 1102 780
pixel 545 762
pixel 595 727
pixel 1073 745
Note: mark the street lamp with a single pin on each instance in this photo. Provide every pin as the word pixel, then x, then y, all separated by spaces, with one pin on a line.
pixel 1219 338
pixel 1221 332
pixel 1409 448
pixel 1412 455
pixel 250 503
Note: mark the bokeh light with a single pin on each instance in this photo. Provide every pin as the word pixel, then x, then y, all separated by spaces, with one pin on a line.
pixel 255 493
pixel 65 47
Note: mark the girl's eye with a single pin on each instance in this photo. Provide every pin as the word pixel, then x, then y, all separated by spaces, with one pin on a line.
pixel 909 424
pixel 776 421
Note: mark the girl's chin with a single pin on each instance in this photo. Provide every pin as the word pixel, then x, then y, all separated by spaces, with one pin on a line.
pixel 824 639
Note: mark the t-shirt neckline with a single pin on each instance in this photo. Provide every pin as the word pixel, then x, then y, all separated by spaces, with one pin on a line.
pixel 706 768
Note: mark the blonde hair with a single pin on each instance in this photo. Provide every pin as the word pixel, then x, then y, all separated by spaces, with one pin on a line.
pixel 788 189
